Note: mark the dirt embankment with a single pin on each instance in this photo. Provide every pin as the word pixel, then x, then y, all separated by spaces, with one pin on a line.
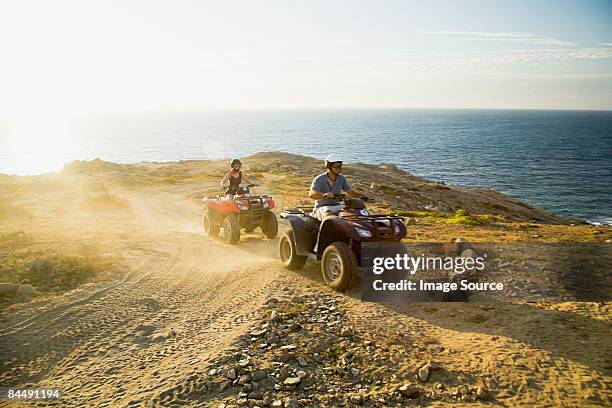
pixel 185 320
pixel 289 176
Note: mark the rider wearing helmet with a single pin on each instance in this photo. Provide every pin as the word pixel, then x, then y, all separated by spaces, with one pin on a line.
pixel 233 178
pixel 325 187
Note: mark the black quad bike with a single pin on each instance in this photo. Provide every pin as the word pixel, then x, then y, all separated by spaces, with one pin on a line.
pixel 244 211
pixel 336 241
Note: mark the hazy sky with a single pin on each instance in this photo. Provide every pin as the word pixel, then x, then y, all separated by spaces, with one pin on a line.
pixel 98 56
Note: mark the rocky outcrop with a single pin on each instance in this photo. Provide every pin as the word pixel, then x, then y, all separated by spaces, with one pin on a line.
pixel 302 352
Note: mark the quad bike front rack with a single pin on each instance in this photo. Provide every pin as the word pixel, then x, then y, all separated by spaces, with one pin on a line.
pixel 381 225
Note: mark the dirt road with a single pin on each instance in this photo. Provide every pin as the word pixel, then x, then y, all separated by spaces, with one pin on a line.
pixel 186 303
pixel 184 297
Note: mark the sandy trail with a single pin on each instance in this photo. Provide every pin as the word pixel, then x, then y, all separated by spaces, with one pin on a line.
pixel 146 338
pixel 183 299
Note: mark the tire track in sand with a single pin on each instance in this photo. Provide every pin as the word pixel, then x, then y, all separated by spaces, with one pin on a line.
pixel 143 335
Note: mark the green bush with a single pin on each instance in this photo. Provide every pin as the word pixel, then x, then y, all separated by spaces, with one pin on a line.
pixel 459 217
pixel 387 190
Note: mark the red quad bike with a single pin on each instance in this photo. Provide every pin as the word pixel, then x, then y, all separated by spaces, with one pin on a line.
pixel 244 211
pixel 336 241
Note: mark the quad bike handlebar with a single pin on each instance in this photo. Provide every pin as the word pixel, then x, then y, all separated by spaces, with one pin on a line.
pixel 344 197
pixel 247 186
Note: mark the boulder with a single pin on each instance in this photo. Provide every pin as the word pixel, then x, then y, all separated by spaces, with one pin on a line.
pixel 355 399
pixel 469 253
pixel 424 373
pixel 259 375
pixel 9 288
pixel 243 379
pixel 27 290
pixel 409 390
pixel 292 381
pixel 482 393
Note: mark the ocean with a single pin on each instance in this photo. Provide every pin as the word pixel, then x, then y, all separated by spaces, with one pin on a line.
pixel 558 160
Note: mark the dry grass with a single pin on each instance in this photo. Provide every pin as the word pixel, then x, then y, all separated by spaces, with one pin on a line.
pixel 99 198
pixel 52 265
pixel 8 209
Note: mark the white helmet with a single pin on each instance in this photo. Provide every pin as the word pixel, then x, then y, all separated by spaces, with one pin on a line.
pixel 332 158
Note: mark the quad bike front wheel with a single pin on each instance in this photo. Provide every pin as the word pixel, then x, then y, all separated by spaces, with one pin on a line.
pixel 269 225
pixel 231 229
pixel 287 251
pixel 209 227
pixel 339 266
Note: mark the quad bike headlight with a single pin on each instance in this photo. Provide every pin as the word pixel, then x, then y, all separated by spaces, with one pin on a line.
pixel 364 233
pixel 265 204
pixel 243 207
pixel 397 229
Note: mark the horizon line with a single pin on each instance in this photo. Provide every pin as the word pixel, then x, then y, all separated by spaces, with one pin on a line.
pixel 297 108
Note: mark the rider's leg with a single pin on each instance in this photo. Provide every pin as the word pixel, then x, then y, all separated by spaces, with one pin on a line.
pixel 327 211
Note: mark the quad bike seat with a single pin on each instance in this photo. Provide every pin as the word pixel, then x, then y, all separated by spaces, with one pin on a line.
pixel 354 204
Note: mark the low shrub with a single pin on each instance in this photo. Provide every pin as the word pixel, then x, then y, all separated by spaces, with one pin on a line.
pixel 459 217
pixel 387 189
pixel 22 260
pixel 103 200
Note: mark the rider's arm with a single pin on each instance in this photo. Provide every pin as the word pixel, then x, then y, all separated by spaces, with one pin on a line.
pixel 225 182
pixel 315 195
pixel 348 189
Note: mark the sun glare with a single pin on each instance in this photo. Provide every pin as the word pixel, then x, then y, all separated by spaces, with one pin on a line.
pixel 39 143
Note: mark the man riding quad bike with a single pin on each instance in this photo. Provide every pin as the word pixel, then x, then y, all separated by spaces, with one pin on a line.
pixel 327 185
pixel 239 209
pixel 334 235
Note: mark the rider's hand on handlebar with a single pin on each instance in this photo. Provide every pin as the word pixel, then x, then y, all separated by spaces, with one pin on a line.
pixel 329 195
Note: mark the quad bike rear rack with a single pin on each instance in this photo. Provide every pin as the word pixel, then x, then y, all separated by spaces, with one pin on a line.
pixel 298 211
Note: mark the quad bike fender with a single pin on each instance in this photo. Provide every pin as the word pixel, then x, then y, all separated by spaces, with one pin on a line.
pixel 228 205
pixel 304 233
pixel 211 204
pixel 337 229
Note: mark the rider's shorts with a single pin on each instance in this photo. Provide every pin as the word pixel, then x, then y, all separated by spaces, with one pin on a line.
pixel 319 212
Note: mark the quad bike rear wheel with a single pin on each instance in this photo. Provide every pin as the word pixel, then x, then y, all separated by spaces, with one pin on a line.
pixel 231 229
pixel 269 225
pixel 209 227
pixel 339 266
pixel 288 255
